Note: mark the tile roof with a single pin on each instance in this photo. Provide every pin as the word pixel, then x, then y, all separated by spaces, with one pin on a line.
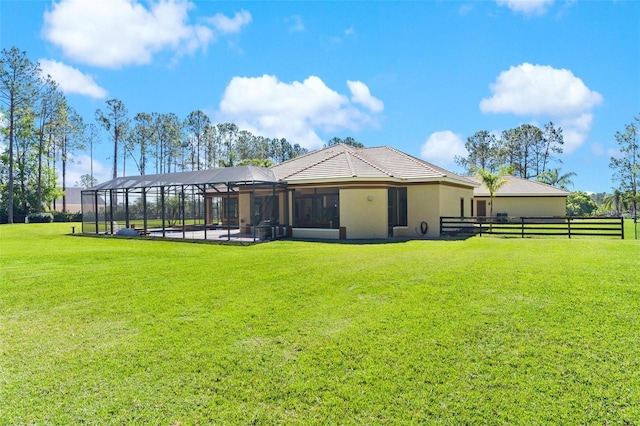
pixel 516 186
pixel 343 162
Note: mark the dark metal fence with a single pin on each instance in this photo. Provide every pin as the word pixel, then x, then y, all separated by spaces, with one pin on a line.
pixel 525 226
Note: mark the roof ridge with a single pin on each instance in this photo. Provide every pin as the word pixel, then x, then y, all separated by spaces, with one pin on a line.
pixel 417 161
pixel 367 160
pixel 352 169
pixel 310 165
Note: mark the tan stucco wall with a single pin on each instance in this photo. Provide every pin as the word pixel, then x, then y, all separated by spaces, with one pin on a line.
pixel 244 209
pixel 427 203
pixel 422 205
pixel 364 212
pixel 450 200
pixel 527 206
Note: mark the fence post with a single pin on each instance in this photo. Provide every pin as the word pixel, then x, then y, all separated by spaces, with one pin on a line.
pixel 522 225
pixel 569 227
pixel 479 223
pixel 622 227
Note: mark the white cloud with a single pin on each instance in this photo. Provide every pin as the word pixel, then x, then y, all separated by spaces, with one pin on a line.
pixel 442 147
pixel 71 80
pixel 233 25
pixel 547 92
pixel 80 164
pixel 296 111
pixel 360 94
pixel 539 90
pixel 527 7
pixel 295 24
pixel 117 33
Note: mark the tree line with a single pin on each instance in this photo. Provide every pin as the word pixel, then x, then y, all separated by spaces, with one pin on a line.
pixel 529 152
pixel 163 143
pixel 41 132
pixel 526 151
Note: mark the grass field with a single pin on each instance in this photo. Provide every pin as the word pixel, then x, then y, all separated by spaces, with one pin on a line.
pixel 480 331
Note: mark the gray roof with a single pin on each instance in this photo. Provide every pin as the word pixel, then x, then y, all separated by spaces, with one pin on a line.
pixel 73 195
pixel 340 163
pixel 518 187
pixel 228 175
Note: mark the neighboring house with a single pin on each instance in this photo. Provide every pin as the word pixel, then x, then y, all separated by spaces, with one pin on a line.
pixel 73 201
pixel 521 197
pixel 343 192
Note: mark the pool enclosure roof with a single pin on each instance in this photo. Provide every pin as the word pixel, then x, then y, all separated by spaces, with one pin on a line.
pixel 231 176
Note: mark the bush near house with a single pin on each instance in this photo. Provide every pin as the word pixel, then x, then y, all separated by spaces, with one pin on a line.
pixel 40 218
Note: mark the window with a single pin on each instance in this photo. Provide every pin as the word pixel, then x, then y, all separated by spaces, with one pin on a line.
pixel 461 206
pixel 266 208
pixel 397 206
pixel 230 211
pixel 316 208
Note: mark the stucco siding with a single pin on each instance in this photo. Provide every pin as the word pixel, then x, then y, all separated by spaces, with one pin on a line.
pixel 244 209
pixel 450 197
pixel 363 212
pixel 422 206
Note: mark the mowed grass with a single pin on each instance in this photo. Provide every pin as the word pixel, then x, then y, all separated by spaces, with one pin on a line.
pixel 479 331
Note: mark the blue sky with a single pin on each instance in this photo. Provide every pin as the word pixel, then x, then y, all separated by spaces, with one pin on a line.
pixel 420 76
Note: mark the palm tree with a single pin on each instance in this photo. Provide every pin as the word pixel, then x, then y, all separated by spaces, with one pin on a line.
pixel 618 201
pixel 552 177
pixel 493 182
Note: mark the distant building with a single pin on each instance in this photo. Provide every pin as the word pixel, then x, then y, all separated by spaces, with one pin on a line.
pixel 73 200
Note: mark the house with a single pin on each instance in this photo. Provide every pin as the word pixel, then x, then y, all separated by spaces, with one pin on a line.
pixel 340 192
pixel 71 203
pixel 520 197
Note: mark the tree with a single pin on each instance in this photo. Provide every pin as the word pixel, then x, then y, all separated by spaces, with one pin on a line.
pixel 18 80
pixel 517 147
pixel 227 133
pixel 552 177
pixel 626 167
pixel 527 148
pixel 212 147
pixel 140 139
pixel 196 125
pixel 347 141
pixel 260 162
pixel 167 133
pixel 544 151
pixel 48 108
pixel 482 149
pixel 579 203
pixel 617 202
pixel 91 138
pixel 493 182
pixel 114 121
pixel 87 181
pixel 71 138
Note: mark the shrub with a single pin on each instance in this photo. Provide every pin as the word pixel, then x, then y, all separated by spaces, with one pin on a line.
pixel 40 218
pixel 67 217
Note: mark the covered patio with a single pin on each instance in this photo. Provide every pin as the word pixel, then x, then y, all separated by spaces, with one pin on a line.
pixel 244 203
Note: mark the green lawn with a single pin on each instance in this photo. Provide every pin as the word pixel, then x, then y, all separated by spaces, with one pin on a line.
pixel 478 331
